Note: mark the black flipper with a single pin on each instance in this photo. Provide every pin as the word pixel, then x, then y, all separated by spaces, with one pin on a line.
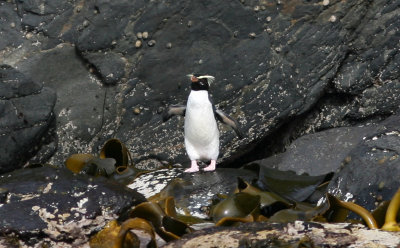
pixel 173 110
pixel 226 119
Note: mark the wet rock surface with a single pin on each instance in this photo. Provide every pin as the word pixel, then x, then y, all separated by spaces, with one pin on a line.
pixel 193 192
pixel 51 206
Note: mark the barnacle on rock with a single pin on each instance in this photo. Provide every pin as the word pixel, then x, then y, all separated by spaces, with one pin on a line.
pixel 138 43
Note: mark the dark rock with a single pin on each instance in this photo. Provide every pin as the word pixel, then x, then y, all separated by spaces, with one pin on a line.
pixel 35 14
pixel 66 26
pixel 307 67
pixel 363 67
pixel 273 87
pixel 81 98
pixel 318 153
pixel 110 66
pixel 387 102
pixel 3 195
pixel 207 46
pixel 26 114
pixel 372 171
pixel 108 23
pixel 192 192
pixel 47 205
pixel 200 50
pixel 14 84
pixel 10 25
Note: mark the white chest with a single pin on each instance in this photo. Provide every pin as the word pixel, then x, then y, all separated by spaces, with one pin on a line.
pixel 199 117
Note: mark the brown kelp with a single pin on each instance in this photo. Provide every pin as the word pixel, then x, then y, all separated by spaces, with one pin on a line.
pixel 242 207
pixel 166 226
pixel 113 161
pixel 362 212
pixel 391 213
pixel 159 218
pixel 109 236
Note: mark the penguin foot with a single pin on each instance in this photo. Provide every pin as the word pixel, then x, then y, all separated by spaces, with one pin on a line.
pixel 212 166
pixel 193 168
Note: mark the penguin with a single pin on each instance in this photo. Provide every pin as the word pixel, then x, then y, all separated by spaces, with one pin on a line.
pixel 201 129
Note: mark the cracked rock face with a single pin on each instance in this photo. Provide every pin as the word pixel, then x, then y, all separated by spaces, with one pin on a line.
pixel 115 65
pixel 26 113
pixel 50 206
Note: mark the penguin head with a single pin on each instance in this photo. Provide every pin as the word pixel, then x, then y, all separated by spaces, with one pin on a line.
pixel 201 82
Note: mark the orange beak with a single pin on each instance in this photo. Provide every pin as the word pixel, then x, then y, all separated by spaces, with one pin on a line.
pixel 194 79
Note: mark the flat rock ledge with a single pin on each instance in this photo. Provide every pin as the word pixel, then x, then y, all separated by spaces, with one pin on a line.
pixel 264 234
